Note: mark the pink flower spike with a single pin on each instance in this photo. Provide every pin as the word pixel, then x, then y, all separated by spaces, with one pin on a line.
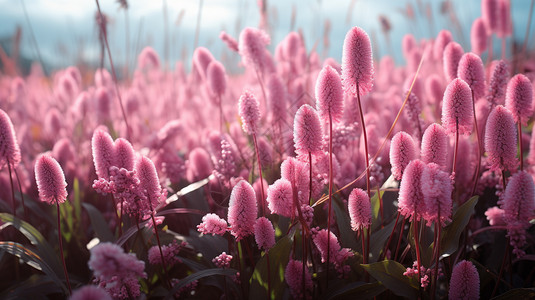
pixel 242 210
pixel 280 197
pixel 329 95
pixel 252 47
pixel 231 43
pixel 249 111
pixel 202 57
pixel 505 26
pixel 436 188
pixel 9 148
pixel 411 198
pixel 496 216
pixel 148 58
pixel 357 62
pixel 478 36
pixel 308 135
pixel 212 224
pixel 491 15
pixel 452 55
pixel 464 283
pixel 435 145
pixel 103 152
pixel 50 180
pixel 498 83
pixel 90 292
pixel 519 98
pixel 222 260
pixel 124 154
pixel 443 39
pixel 149 182
pixel 294 278
pixel 501 139
pixel 321 239
pixel 217 78
pixel 471 70
pixel 264 233
pixel 359 209
pixel 276 98
pixel 402 151
pixel 457 107
pixel 519 199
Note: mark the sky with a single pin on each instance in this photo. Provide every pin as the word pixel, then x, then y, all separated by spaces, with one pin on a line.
pixel 66 33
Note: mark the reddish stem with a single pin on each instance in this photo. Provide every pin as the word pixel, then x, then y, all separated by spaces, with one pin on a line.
pixel 476 180
pixel 12 189
pixel 61 249
pixel 160 248
pixel 21 194
pixel 417 245
pixel 263 200
pixel 390 237
pixel 330 195
pixel 520 144
pixel 399 238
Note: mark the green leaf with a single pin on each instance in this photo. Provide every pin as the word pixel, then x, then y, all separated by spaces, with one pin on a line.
pixel 376 208
pixel 32 259
pixel 357 290
pixel 348 237
pixel 523 293
pixel 390 274
pixel 449 241
pixel 44 250
pixel 196 276
pixel 100 226
pixel 278 259
pixel 378 239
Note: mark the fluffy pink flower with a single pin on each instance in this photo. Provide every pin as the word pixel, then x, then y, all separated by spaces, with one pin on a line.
pixel 249 111
pixel 337 255
pixel 212 224
pixel 217 78
pixel 149 181
pixel 308 135
pixel 280 197
pixel 50 180
pixel 199 165
pixel 103 98
pixel 519 208
pixel 329 95
pixel 519 98
pixel 124 154
pixel 103 152
pixel 277 99
pixel 148 58
pixel 471 70
pixel 298 173
pixel 359 209
pixel 411 197
pixel 202 58
pixel 231 43
pixel 357 62
pixel 435 145
pixel 436 188
pixel 457 107
pixel 407 44
pixel 169 252
pixel 498 83
pixel 264 233
pixel 9 148
pixel 294 278
pixel 478 36
pixel 501 140
pixel 252 47
pixel 491 15
pixel 443 39
pixel 90 292
pixel 495 216
pixel 505 27
pixel 242 210
pixel 464 283
pixel 222 260
pixel 452 55
pixel 402 151
pixel 434 88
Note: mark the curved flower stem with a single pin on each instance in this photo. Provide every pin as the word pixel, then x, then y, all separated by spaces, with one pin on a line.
pixel 476 180
pixel 21 194
pixel 399 238
pixel 330 194
pixel 438 228
pixel 417 245
pixel 61 249
pixel 390 237
pixel 263 199
pixel 12 189
pixel 168 282
pixel 456 149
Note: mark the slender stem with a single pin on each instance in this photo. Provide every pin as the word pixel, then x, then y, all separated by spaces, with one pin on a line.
pixel 12 189
pixel 330 194
pixel 310 178
pixel 390 237
pixel 268 274
pixel 456 148
pixel 438 227
pixel 365 142
pixel 417 245
pixel 303 238
pixel 263 200
pixel 381 212
pixel 363 240
pixel 121 219
pixel 21 194
pixel 262 87
pixel 399 238
pixel 476 180
pixel 520 144
pixel 198 26
pixel 61 249
pixel 501 269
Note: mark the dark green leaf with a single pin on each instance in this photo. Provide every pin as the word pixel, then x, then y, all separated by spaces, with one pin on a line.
pixel 517 294
pixel 378 240
pixel 198 275
pixel 100 226
pixel 32 259
pixel 390 274
pixel 449 241
pixel 348 237
pixel 357 290
pixel 278 259
pixel 376 208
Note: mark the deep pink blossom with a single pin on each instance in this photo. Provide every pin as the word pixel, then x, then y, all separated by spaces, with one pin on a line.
pixel 457 110
pixel 437 187
pixel 217 78
pixel 478 36
pixel 103 152
pixel 212 224
pixel 298 173
pixel 495 216
pixel 443 39
pixel 252 47
pixel 249 110
pixel 149 181
pixel 308 135
pixel 464 283
pixel 124 154
pixel 293 275
pixel 452 55
pixel 202 58
pixel 50 180
pixel 359 209
pixel 199 165
pixel 402 151
pixel 9 148
pixel 501 139
pixel 471 70
pixel 231 43
pixel 357 62
pixel 222 260
pixel 491 15
pixel 337 255
pixel 498 83
pixel 169 252
pixel 411 198
pixel 90 292
pixel 329 95
pixel 435 145
pixel 242 210
pixel 280 197
pixel 148 58
pixel 505 27
pixel 264 233
pixel 519 98
pixel 277 100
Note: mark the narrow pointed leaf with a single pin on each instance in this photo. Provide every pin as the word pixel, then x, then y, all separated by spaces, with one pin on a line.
pixel 390 274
